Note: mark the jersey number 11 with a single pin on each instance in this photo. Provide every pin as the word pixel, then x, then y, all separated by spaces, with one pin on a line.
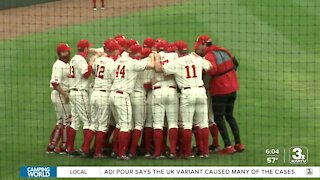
pixel 188 71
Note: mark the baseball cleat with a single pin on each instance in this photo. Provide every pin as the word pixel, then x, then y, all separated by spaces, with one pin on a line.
pixel 102 8
pixel 94 8
pixel 131 156
pixel 125 158
pixel 155 157
pixel 50 150
pixel 113 155
pixel 227 151
pixel 214 149
pixel 74 153
pixel 239 147
pixel 204 156
pixel 147 155
pixel 189 157
pixel 99 156
pixel 172 156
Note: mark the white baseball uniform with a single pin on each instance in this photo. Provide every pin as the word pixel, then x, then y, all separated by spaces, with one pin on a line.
pixel 138 99
pixel 103 69
pixel 126 72
pixel 193 100
pixel 165 101
pixel 59 76
pixel 79 87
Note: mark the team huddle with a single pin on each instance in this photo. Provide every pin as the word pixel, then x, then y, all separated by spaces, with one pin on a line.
pixel 130 99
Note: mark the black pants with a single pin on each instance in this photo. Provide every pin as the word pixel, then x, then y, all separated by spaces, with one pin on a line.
pixel 223 106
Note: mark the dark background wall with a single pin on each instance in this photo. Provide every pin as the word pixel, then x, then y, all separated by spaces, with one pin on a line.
pixel 6 4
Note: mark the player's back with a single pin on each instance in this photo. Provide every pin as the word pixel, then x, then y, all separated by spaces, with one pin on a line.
pixel 126 72
pixel 78 66
pixel 165 58
pixel 142 78
pixel 189 70
pixel 104 70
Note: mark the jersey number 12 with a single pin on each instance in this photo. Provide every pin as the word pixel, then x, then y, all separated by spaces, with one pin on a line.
pixel 100 71
pixel 188 71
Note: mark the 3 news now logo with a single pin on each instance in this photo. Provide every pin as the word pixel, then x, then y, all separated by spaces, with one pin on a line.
pixel 38 171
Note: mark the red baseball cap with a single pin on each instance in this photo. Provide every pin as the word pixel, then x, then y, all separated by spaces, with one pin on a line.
pixel 82 44
pixel 149 42
pixel 162 45
pixel 204 39
pixel 105 43
pixel 171 47
pixel 146 52
pixel 118 36
pixel 122 42
pixel 111 45
pixel 131 42
pixel 135 48
pixel 63 47
pixel 181 46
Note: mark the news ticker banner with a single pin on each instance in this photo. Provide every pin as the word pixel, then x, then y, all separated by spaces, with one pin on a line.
pixel 169 172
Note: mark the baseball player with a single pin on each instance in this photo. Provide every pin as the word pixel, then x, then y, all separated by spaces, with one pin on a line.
pixel 214 131
pixel 223 90
pixel 60 98
pixel 165 103
pixel 149 45
pixel 103 68
pixel 80 71
pixel 138 103
pixel 126 72
pixel 193 100
pixel 95 5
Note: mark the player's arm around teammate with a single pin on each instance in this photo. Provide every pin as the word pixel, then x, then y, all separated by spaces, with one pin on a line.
pixel 165 103
pixel 80 71
pixel 223 87
pixel 193 100
pixel 60 98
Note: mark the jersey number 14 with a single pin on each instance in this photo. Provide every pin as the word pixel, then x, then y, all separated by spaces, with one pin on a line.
pixel 120 70
pixel 193 71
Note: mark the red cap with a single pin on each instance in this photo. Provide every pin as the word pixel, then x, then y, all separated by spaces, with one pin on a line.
pixel 146 52
pixel 111 46
pixel 131 42
pixel 204 39
pixel 196 45
pixel 149 42
pixel 122 42
pixel 105 43
pixel 171 47
pixel 162 45
pixel 63 47
pixel 181 46
pixel 82 44
pixel 135 48
pixel 119 36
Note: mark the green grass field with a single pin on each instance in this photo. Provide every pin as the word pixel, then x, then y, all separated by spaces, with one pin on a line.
pixel 278 105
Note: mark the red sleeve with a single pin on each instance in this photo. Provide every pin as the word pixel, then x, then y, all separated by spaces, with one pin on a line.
pixel 87 74
pixel 210 57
